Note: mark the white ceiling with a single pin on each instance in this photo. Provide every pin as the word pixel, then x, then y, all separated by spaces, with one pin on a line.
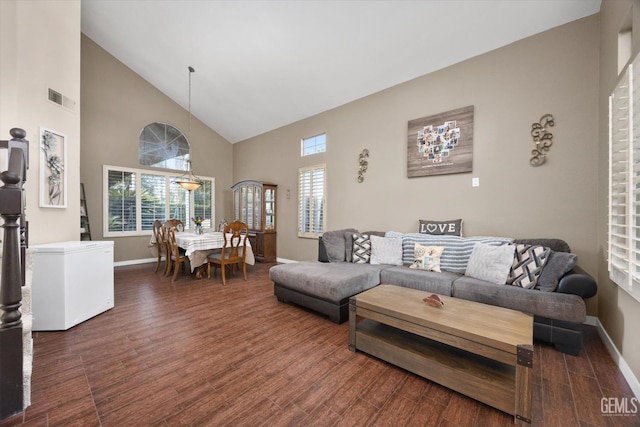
pixel 264 64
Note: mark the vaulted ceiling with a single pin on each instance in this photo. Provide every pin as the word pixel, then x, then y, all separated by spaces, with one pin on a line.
pixel 260 65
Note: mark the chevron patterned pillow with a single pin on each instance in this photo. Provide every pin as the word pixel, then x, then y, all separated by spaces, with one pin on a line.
pixel 361 248
pixel 528 263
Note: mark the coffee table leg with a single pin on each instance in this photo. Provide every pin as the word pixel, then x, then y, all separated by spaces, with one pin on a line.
pixel 524 367
pixel 352 324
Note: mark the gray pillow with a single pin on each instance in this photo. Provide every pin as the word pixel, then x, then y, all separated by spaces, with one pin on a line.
pixel 439 228
pixel 490 263
pixel 558 264
pixel 348 246
pixel 334 243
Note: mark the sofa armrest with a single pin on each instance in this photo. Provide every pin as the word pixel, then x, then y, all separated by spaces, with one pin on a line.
pixel 578 282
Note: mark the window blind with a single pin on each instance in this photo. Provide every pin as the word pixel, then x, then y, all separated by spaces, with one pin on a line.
pixel 153 199
pixel 311 202
pixel 624 182
pixel 135 198
pixel 202 198
pixel 122 194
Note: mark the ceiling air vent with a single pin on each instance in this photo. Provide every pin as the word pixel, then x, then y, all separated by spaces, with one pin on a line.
pixel 60 99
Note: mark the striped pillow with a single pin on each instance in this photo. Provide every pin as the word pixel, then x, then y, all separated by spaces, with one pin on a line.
pixel 457 250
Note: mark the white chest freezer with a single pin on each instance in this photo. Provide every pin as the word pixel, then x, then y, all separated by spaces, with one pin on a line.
pixel 72 282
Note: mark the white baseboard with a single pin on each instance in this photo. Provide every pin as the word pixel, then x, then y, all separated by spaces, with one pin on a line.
pixel 285 260
pixel 617 357
pixel 134 262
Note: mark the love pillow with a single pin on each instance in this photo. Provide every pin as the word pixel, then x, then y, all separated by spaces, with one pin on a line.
pixel 450 228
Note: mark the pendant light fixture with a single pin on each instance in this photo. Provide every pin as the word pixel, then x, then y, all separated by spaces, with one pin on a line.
pixel 189 181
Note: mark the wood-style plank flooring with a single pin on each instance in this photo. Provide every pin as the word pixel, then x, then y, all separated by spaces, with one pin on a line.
pixel 198 353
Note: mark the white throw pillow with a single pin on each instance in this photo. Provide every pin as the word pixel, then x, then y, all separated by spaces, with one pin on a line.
pixel 490 263
pixel 386 250
pixel 427 257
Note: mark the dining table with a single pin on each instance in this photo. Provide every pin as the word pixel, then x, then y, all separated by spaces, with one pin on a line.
pixel 198 246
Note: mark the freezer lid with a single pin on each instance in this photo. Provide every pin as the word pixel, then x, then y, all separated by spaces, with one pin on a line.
pixel 71 246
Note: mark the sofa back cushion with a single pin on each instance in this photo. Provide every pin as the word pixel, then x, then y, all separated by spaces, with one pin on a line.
pixel 457 250
pixel 557 245
pixel 333 245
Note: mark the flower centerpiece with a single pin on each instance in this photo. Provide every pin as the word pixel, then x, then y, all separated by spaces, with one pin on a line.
pixel 198 222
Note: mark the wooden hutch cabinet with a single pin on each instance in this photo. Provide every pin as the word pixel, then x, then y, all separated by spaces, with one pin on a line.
pixel 254 203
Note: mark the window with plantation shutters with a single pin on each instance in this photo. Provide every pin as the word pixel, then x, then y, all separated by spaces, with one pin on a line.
pixel 153 199
pixel 135 198
pixel 311 201
pixel 121 206
pixel 624 181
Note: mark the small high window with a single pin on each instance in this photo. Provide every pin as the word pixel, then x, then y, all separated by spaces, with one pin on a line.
pixel 314 144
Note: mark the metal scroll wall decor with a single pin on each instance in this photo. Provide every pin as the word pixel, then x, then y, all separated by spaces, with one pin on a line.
pixel 363 164
pixel 542 138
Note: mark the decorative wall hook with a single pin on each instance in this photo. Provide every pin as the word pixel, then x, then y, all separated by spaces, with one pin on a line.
pixel 363 164
pixel 542 138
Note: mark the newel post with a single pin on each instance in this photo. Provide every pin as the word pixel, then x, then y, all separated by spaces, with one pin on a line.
pixel 13 244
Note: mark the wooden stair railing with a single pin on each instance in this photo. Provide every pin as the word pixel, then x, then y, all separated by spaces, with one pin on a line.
pixel 14 246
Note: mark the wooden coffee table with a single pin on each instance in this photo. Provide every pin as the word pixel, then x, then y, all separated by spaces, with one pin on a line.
pixel 479 350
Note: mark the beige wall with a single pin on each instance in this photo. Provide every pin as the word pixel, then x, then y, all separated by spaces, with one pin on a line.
pixel 554 72
pixel 34 58
pixel 617 310
pixel 116 105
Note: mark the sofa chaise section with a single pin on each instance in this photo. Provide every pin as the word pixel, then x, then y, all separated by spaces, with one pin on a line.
pixel 324 287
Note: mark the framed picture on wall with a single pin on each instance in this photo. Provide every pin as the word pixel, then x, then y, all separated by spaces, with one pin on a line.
pixel 53 174
pixel 440 144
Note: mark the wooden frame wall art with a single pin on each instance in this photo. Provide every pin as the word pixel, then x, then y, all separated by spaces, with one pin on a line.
pixel 53 175
pixel 440 144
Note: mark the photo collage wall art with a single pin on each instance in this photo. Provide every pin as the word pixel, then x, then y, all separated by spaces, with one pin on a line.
pixel 441 143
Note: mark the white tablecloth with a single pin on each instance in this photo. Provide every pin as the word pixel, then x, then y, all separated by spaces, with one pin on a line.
pixel 198 246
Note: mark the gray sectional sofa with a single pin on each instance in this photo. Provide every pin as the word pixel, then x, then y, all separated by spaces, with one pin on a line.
pixel 325 286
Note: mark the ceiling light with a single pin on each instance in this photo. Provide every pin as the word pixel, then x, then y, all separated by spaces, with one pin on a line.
pixel 189 181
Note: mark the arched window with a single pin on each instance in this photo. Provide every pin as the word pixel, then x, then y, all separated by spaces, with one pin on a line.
pixel 163 146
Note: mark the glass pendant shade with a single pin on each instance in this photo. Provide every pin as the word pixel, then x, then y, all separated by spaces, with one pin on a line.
pixel 189 181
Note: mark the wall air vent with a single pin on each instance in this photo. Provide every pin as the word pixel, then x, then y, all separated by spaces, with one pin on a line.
pixel 62 100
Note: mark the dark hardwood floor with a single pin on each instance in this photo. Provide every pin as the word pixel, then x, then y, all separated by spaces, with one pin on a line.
pixel 198 353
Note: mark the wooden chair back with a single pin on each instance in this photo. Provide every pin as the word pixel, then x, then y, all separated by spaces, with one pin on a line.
pixel 177 224
pixel 234 250
pixel 174 254
pixel 235 242
pixel 160 242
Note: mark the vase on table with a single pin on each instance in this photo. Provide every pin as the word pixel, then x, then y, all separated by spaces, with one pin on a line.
pixel 199 229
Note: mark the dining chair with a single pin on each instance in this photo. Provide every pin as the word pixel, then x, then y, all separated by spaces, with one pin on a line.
pixel 160 244
pixel 176 256
pixel 175 223
pixel 233 250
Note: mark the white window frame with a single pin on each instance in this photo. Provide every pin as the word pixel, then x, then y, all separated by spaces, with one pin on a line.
pixel 624 183
pixel 309 233
pixel 169 177
pixel 313 139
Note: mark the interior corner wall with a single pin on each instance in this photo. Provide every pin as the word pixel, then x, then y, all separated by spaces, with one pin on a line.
pixel 511 88
pixel 618 311
pixel 116 105
pixel 34 58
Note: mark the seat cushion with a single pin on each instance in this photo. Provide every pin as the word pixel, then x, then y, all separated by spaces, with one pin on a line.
pixel 328 281
pixel 217 254
pixel 424 280
pixel 554 305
